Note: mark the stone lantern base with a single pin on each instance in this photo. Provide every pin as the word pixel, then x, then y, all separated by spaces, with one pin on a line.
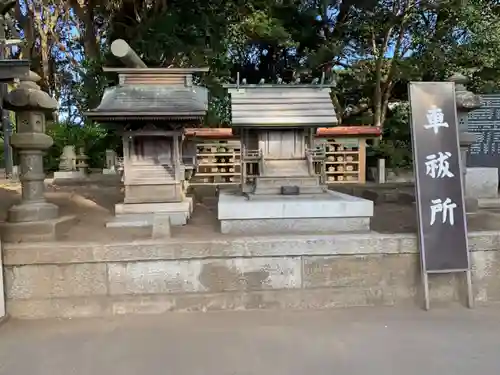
pixel 466 139
pixel 35 231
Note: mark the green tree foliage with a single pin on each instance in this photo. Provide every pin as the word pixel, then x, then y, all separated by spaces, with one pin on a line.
pixel 371 49
pixel 93 138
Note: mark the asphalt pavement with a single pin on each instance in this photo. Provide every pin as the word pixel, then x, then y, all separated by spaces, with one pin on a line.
pixel 375 341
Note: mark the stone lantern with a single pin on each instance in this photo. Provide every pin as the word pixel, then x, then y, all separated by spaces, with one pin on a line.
pixel 34 219
pixel 466 102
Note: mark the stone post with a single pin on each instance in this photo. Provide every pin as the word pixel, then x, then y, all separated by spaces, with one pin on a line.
pixel 67 159
pixel 466 102
pixel 81 161
pixel 34 218
pixel 110 159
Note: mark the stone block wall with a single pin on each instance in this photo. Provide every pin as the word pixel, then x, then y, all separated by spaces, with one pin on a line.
pixel 75 280
pixel 2 293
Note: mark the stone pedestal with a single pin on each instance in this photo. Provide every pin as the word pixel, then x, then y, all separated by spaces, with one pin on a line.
pixel 34 219
pixel 465 140
pixel 63 175
pixel 466 101
pixel 143 214
pixel 331 212
pixel 482 182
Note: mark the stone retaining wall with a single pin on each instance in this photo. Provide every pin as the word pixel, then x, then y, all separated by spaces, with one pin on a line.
pixel 85 279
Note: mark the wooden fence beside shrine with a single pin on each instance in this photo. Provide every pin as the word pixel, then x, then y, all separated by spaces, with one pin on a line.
pixel 218 154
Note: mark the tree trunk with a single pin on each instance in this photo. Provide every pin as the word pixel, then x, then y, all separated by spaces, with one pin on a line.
pixel 85 13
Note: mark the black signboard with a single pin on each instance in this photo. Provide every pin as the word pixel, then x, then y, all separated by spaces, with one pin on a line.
pixel 440 201
pixel 485 122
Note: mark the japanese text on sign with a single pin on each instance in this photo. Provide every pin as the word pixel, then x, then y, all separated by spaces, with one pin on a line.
pixel 442 227
pixel 435 119
pixel 438 166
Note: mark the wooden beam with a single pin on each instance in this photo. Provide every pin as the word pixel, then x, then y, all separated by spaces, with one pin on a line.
pixel 121 50
pixel 180 71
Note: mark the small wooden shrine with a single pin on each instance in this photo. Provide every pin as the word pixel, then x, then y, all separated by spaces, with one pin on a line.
pixel 283 167
pixel 277 125
pixel 151 106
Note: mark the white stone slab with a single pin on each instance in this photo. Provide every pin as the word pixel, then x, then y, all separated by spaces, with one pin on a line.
pixel 147 220
pixel 131 221
pixel 489 202
pixel 145 208
pixel 481 182
pixel 295 226
pixel 109 171
pixel 332 204
pixel 161 226
pixel 68 174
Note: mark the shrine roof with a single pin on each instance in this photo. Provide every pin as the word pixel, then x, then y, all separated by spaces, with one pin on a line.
pixel 124 102
pixel 259 106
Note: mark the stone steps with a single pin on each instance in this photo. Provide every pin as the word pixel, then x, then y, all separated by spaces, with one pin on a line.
pixel 272 185
pixel 277 191
pixel 302 181
pixel 152 174
pixel 286 168
pixel 489 202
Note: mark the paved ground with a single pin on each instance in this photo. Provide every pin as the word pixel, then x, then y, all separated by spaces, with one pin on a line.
pixel 351 342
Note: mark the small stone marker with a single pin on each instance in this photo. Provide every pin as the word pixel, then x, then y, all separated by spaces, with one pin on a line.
pixel 161 226
pixel 381 171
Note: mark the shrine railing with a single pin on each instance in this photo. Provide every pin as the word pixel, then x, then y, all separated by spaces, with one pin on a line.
pixel 253 158
pixel 251 155
pixel 317 153
pixel 120 167
pixel 316 161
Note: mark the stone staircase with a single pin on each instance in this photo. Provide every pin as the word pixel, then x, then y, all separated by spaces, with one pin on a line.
pixel 278 173
pixel 285 168
pixel 151 175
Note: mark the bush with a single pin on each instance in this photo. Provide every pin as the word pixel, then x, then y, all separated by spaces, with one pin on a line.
pixel 395 145
pixel 92 137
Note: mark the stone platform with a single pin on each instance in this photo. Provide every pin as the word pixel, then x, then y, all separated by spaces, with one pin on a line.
pixel 321 213
pixel 69 175
pixel 34 231
pixel 142 214
pixel 84 279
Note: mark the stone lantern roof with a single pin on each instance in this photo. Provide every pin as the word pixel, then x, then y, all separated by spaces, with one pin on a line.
pixel 28 96
pixel 466 100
